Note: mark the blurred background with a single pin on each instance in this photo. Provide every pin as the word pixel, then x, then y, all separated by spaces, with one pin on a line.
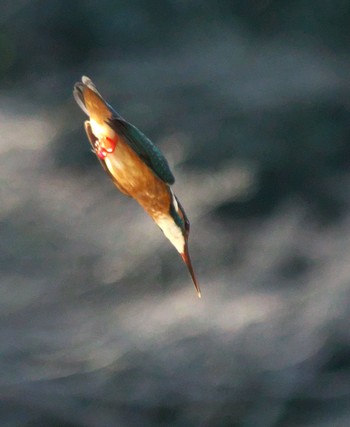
pixel 100 324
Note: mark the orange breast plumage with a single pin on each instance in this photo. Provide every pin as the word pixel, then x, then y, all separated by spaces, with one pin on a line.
pixel 138 180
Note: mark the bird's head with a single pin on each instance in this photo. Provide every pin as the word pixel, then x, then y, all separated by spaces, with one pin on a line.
pixel 176 228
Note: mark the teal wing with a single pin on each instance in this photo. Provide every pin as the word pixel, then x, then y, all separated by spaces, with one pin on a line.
pixel 144 148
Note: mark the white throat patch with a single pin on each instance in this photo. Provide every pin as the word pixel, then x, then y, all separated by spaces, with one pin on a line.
pixel 173 232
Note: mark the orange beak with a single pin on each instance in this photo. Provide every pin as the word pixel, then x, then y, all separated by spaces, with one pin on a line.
pixel 187 260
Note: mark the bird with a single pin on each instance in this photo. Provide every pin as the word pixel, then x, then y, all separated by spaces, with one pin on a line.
pixel 136 166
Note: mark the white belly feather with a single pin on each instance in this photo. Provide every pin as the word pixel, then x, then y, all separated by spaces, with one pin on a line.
pixel 101 130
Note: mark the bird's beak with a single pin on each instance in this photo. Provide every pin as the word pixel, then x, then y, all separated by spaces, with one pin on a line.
pixel 187 260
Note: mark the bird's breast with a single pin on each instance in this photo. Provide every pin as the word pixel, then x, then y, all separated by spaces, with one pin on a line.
pixel 138 180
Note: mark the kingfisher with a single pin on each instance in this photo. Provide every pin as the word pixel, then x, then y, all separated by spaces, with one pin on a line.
pixel 136 166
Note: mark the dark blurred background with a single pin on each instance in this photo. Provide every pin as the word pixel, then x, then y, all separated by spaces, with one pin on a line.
pixel 100 325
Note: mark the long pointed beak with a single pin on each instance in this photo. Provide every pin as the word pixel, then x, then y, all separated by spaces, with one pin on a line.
pixel 187 260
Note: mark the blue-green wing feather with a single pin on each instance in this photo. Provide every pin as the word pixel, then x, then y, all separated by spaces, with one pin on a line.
pixel 143 147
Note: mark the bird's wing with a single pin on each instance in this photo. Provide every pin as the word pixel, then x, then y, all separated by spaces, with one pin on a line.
pixel 143 147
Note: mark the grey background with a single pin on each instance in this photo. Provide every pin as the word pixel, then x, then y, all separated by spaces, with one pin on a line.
pixel 100 324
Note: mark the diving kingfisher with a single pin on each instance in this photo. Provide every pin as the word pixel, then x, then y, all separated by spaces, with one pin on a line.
pixel 136 167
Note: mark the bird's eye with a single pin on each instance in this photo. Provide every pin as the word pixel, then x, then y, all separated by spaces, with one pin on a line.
pixel 187 226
